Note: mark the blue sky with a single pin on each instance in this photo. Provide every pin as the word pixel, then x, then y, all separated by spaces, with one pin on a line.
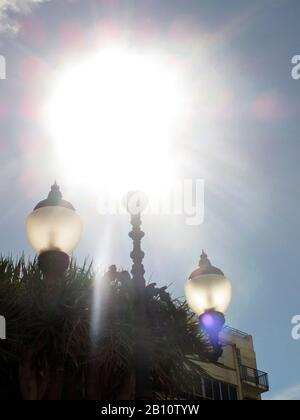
pixel 242 139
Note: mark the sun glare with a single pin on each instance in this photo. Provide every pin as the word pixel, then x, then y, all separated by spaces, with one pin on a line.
pixel 112 119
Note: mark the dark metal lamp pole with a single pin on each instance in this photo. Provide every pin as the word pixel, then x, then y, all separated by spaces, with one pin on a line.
pixel 136 203
pixel 53 231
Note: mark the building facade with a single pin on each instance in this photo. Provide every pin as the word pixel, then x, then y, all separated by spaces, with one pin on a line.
pixel 235 376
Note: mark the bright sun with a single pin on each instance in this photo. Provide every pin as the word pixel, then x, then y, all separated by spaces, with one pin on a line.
pixel 113 118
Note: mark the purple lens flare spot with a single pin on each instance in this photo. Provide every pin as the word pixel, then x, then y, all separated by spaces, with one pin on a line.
pixel 207 320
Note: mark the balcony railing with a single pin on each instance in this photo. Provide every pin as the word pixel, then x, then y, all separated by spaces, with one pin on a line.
pixel 255 377
pixel 233 331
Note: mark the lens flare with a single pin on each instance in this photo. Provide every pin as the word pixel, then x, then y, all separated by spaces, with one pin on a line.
pixel 207 321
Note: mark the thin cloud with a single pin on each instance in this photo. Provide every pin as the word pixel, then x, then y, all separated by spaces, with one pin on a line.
pixel 10 8
pixel 290 394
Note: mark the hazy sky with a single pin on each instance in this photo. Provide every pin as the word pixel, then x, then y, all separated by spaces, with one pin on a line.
pixel 241 135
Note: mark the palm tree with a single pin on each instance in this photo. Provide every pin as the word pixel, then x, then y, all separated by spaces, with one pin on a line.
pixel 78 341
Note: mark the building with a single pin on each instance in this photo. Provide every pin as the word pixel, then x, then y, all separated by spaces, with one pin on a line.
pixel 235 376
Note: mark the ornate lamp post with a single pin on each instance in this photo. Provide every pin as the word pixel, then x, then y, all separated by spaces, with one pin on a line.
pixel 53 230
pixel 136 203
pixel 208 293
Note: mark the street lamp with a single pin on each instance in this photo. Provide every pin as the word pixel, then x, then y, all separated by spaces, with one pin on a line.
pixel 53 230
pixel 208 293
pixel 136 203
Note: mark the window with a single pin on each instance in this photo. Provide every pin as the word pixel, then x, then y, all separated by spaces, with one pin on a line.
pixel 214 390
pixel 225 392
pixel 217 393
pixel 232 393
pixel 208 386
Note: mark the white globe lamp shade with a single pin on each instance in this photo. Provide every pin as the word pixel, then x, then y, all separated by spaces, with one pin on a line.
pixel 207 289
pixel 54 225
